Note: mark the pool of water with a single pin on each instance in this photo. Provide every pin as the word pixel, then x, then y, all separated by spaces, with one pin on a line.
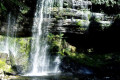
pixel 53 77
pixel 67 76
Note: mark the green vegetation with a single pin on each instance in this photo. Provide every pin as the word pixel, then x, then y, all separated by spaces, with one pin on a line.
pixel 24 45
pixel 59 46
pixel 21 44
pixel 106 2
pixel 79 23
pixel 55 42
pixel 21 10
pixel 97 19
pixel 5 67
pixel 13 5
pixel 82 29
pixel 20 49
pixel 94 60
pixel 107 6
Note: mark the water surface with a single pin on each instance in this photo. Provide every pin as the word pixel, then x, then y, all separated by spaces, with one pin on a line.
pixel 69 76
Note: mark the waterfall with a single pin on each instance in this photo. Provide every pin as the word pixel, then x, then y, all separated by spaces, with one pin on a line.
pixel 11 36
pixel 61 4
pixel 8 32
pixel 41 62
pixel 10 42
pixel 7 44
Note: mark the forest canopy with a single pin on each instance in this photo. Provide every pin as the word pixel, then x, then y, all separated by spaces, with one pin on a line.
pixel 107 6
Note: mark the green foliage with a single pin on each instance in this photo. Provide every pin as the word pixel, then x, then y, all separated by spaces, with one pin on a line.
pixel 3 8
pixel 79 23
pixel 97 19
pixel 59 46
pixel 89 16
pixel 64 49
pixel 2 38
pixel 54 37
pixel 14 5
pixel 106 2
pixel 107 6
pixel 92 59
pixel 22 45
pixel 2 63
pixel 117 16
pixel 55 42
pixel 5 67
pixel 20 4
pixel 82 29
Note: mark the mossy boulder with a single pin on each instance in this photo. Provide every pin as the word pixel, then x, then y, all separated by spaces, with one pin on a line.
pixel 5 64
pixel 5 67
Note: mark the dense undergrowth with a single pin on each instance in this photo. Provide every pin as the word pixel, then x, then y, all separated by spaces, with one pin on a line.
pixel 58 45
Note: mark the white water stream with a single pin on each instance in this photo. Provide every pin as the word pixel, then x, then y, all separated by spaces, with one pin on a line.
pixel 8 45
pixel 41 62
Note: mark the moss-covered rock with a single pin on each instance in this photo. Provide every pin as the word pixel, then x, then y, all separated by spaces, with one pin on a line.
pixel 19 49
pixel 5 67
pixel 22 54
pixel 5 64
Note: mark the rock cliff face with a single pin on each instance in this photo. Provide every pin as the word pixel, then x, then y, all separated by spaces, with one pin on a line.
pixel 5 64
pixel 74 17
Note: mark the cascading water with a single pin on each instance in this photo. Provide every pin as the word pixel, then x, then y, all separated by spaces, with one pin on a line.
pixel 61 4
pixel 11 36
pixel 42 62
pixel 7 38
pixel 8 44
pixel 4 44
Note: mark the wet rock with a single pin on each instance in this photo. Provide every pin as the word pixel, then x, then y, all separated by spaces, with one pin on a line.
pixel 9 74
pixel 85 71
pixel 17 68
pixel 69 65
pixel 3 55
